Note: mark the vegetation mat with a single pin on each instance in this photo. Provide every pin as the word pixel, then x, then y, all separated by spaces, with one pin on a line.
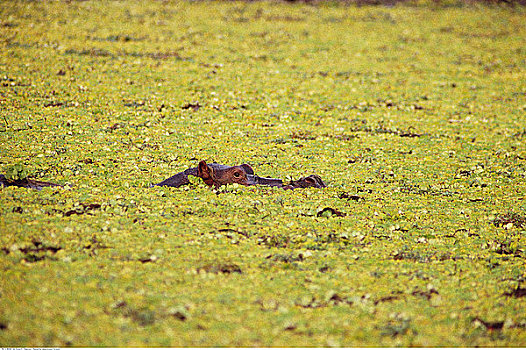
pixel 414 115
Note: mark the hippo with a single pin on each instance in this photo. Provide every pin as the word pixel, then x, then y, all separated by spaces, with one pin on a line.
pixel 305 182
pixel 27 183
pixel 214 174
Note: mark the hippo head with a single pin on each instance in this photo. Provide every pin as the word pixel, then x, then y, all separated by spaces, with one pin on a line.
pixel 306 182
pixel 217 175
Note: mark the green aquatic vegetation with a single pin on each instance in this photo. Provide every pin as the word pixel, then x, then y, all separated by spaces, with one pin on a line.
pixel 413 115
pixel 16 172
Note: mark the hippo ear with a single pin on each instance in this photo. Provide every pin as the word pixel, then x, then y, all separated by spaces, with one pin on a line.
pixel 205 172
pixel 317 181
pixel 310 180
pixel 248 169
